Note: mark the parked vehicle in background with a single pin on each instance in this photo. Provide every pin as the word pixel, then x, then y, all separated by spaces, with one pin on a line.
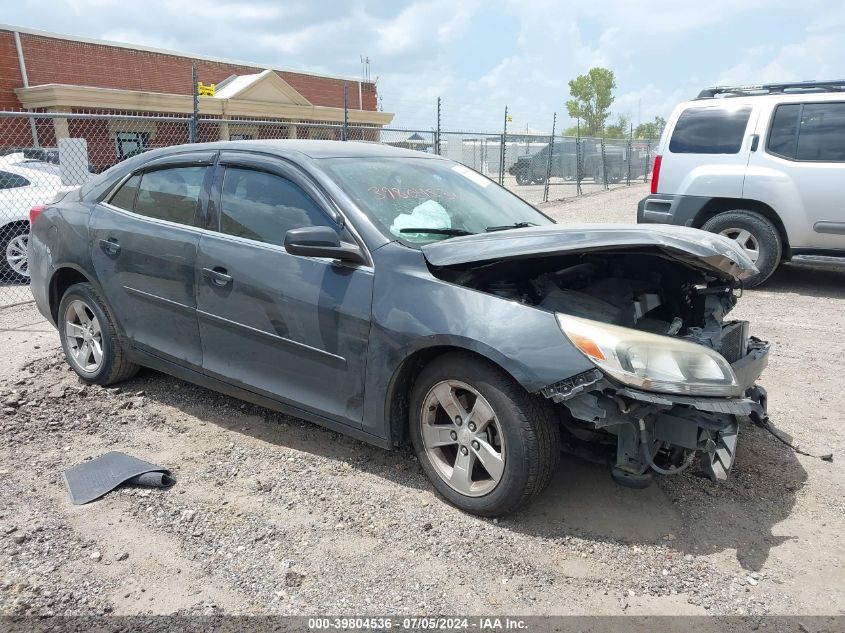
pixel 402 298
pixel 532 168
pixel 763 165
pixel 25 182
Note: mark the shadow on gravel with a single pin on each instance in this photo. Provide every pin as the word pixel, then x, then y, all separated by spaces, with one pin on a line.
pixel 702 517
pixel 808 281
pixel 695 514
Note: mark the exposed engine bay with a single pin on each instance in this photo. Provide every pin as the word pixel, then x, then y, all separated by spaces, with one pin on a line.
pixel 648 292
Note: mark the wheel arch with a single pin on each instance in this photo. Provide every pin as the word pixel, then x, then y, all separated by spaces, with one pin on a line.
pixel 715 206
pixel 63 278
pixel 397 401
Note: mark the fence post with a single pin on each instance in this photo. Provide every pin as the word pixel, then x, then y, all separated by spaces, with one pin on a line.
pixel 502 153
pixel 630 154
pixel 344 131
pixel 647 159
pixel 549 165
pixel 578 158
pixel 192 127
pixel 437 133
pixel 603 163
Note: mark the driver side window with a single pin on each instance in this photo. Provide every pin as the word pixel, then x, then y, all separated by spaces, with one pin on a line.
pixel 264 207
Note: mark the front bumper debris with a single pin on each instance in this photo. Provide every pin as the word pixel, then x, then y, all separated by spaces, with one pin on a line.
pixel 665 429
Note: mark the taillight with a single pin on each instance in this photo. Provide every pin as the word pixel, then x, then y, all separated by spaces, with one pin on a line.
pixel 655 173
pixel 34 212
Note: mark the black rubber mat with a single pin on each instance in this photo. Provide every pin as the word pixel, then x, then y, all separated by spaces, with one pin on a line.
pixel 91 480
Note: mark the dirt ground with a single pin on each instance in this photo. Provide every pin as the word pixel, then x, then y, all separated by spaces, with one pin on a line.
pixel 274 515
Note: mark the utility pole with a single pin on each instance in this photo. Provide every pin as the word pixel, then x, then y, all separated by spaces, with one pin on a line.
pixel 502 153
pixel 192 130
pixel 437 133
pixel 344 131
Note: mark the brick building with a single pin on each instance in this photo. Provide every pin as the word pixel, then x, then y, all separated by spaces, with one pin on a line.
pixel 47 72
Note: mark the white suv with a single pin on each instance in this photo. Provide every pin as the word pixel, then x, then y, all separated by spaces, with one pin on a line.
pixel 763 165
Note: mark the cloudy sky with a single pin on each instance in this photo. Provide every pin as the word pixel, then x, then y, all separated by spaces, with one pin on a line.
pixel 480 55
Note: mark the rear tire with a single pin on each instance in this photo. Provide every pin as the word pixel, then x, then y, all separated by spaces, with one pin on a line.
pixel 527 435
pixel 89 338
pixel 752 231
pixel 14 267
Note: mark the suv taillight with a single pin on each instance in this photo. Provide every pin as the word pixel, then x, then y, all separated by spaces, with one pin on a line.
pixel 655 173
pixel 34 212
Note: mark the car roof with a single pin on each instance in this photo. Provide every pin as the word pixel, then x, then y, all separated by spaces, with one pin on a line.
pixel 37 171
pixel 751 100
pixel 302 147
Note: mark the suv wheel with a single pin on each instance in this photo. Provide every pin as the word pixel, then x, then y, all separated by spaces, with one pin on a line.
pixel 89 339
pixel 522 177
pixel 757 236
pixel 13 240
pixel 486 444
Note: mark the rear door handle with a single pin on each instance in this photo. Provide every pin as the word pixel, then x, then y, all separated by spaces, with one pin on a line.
pixel 755 142
pixel 217 275
pixel 110 246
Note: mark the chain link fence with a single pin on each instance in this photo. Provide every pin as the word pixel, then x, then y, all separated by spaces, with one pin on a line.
pixel 45 154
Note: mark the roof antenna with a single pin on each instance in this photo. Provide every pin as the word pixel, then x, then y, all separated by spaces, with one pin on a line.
pixel 365 68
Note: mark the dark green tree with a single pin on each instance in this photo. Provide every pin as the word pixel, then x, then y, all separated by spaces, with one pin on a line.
pixel 651 130
pixel 592 96
pixel 620 129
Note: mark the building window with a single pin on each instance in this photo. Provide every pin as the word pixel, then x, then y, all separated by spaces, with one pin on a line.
pixel 131 143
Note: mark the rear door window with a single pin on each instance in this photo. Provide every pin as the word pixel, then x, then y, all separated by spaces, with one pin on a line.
pixel 784 131
pixel 716 130
pixel 170 194
pixel 809 132
pixel 124 198
pixel 821 134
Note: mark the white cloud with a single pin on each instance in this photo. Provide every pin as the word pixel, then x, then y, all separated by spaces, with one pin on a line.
pixel 662 52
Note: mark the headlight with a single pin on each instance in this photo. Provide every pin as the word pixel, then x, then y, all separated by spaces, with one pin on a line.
pixel 651 361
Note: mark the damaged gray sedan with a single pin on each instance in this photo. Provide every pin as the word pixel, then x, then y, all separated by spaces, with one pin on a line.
pixel 405 299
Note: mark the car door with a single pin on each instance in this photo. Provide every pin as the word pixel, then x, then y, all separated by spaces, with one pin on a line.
pixel 801 172
pixel 144 243
pixel 291 327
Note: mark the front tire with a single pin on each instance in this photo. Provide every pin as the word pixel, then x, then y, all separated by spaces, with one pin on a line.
pixel 487 445
pixel 756 235
pixel 89 338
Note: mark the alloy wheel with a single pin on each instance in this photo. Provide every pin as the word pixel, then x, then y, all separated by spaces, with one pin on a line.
pixel 746 240
pixel 16 255
pixel 463 438
pixel 84 337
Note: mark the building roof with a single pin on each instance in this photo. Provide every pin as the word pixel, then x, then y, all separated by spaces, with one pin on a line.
pixel 149 49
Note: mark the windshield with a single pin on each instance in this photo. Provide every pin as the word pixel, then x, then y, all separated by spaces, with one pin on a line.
pixel 409 196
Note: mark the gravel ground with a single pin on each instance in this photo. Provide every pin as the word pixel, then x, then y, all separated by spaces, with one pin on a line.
pixel 274 515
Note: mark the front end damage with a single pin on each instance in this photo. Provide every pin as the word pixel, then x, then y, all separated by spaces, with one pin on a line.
pixel 673 376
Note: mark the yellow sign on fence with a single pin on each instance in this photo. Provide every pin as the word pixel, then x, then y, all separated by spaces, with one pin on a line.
pixel 205 90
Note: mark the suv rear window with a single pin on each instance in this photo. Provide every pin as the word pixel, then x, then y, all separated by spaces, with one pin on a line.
pixel 709 131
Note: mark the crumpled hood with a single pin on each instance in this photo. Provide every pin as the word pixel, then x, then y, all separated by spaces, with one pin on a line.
pixel 700 249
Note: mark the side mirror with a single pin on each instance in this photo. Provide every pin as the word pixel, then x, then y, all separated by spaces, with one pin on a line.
pixel 321 241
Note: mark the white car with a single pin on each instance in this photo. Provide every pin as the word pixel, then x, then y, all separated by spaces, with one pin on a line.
pixel 24 183
pixel 763 165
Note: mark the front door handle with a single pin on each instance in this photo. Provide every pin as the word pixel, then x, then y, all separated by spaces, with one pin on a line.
pixel 755 142
pixel 110 246
pixel 217 275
